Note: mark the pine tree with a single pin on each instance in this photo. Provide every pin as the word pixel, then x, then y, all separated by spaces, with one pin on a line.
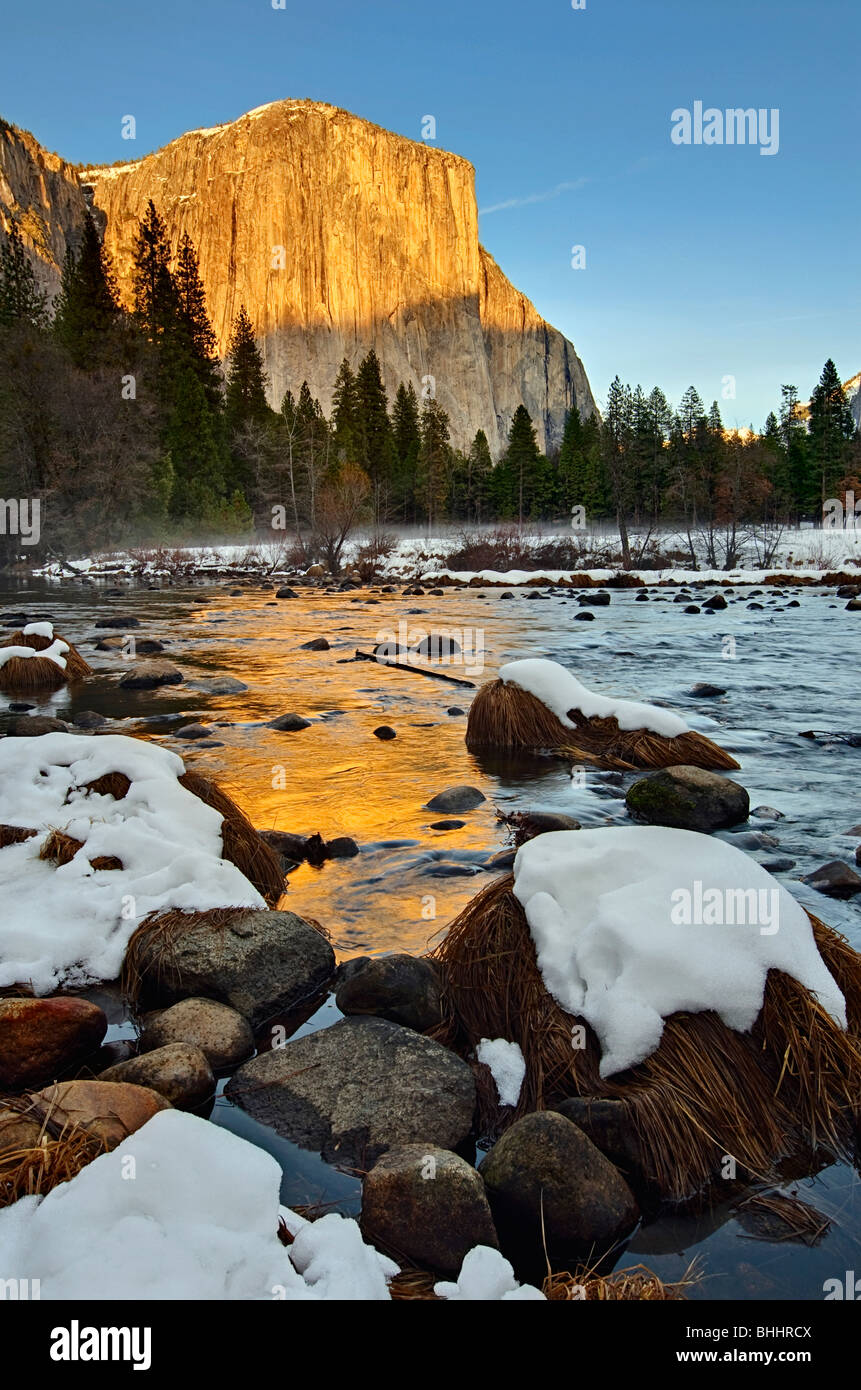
pixel 796 455
pixel 617 455
pixel 245 395
pixel 831 427
pixel 21 300
pixel 195 453
pixel 87 307
pixel 196 332
pixel 524 468
pixel 346 430
pixel 434 461
pixel 155 297
pixel 478 469
pixel 406 430
pixel 376 442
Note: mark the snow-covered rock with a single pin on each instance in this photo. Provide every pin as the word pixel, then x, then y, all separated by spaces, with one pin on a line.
pixel 561 691
pixel 634 923
pixel 71 924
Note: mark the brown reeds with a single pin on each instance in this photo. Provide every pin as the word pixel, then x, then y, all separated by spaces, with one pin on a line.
pixel 15 835
pixel 503 715
pixel 26 674
pixel 57 1156
pixel 706 1092
pixel 60 848
pixel 241 843
pixel 775 1217
pixel 636 1284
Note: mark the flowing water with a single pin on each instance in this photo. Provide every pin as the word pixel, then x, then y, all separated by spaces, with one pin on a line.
pixel 786 670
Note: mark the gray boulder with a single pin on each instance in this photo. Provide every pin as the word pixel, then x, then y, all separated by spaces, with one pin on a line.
pixel 222 1035
pixel 289 723
pixel 179 1071
pixel 401 988
pixel 688 798
pixel 835 879
pixel 544 1171
pixel 455 799
pixel 358 1088
pixel 260 963
pixel 150 675
pixel 426 1204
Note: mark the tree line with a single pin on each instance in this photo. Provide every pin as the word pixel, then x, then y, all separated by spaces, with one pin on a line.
pixel 124 421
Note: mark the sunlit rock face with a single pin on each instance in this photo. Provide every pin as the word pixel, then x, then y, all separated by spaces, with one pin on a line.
pixel 42 194
pixel 338 236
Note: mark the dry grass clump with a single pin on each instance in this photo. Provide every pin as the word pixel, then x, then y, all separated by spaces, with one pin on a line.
pixel 502 715
pixel 28 675
pixel 706 1092
pixel 773 1216
pixel 14 835
pixel 636 1284
pixel 241 844
pixel 61 848
pixel 59 1155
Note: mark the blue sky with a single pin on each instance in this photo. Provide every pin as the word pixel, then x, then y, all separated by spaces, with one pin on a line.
pixel 702 262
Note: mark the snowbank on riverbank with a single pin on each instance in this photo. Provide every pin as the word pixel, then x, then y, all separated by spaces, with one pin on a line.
pixel 70 923
pixel 808 552
pixel 184 1209
pixel 624 938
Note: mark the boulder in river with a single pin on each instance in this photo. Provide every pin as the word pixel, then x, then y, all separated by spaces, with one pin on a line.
pixel 702 690
pixel 385 732
pixel 456 799
pixel 358 1088
pixel 222 1035
pixel 688 798
pixel 545 1174
pixel 715 602
pixel 402 988
pixel 179 1071
pixel 607 1123
pixel 835 879
pixel 89 719
pixel 427 1204
pixel 260 963
pixel 41 1038
pixel 218 685
pixel 317 644
pixel 289 723
pixel 35 725
pixel 151 675
pixel 143 646
pixel 118 622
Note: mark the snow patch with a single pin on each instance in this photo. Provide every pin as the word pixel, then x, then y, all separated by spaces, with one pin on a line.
pixel 199 1220
pixel 507 1066
pixel 486 1276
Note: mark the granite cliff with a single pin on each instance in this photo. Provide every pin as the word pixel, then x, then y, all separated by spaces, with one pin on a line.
pixel 336 235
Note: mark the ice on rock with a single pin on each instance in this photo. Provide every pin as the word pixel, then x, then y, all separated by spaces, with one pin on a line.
pixel 561 691
pixel 71 924
pixel 634 923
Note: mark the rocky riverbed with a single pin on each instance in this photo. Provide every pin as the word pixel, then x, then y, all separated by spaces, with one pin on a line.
pixel 386 836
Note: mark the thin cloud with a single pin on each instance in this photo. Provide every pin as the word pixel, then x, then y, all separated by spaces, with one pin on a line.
pixel 533 198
